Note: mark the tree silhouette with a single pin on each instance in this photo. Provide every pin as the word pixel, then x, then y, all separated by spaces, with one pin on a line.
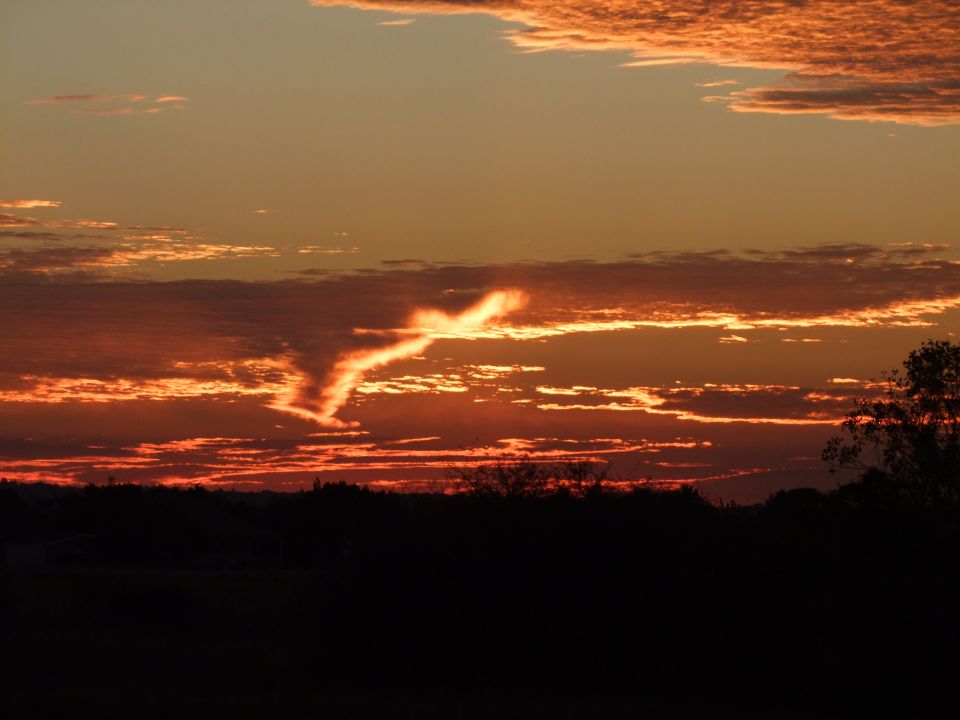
pixel 913 432
pixel 508 475
pixel 583 477
pixel 502 475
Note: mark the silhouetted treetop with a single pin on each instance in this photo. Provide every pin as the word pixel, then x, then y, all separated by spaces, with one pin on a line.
pixel 912 434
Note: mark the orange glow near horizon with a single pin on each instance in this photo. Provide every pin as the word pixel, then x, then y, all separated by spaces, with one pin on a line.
pixel 361 240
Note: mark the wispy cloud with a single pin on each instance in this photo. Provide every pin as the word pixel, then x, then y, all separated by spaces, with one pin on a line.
pixel 114 246
pixel 716 83
pixel 857 60
pixel 255 378
pixel 106 111
pixel 709 404
pixel 66 99
pixel 120 104
pixel 251 462
pixel 110 247
pixel 659 62
pixel 23 204
pixel 327 250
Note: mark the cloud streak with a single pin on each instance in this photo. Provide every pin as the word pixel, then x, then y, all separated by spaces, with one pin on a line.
pixel 319 399
pixel 25 204
pixel 856 60
pixel 121 104
pixel 711 403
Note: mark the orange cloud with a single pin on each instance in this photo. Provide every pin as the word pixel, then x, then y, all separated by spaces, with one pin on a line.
pixel 87 224
pixel 159 248
pixel 856 60
pixel 21 204
pixel 327 250
pixel 126 254
pixel 657 62
pixel 321 401
pixel 91 390
pixel 716 83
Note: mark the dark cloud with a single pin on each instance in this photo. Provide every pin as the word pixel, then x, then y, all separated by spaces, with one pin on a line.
pixel 204 329
pixel 16 261
pixel 931 103
pixel 29 235
pixel 103 261
pixel 713 403
pixel 48 236
pixel 62 99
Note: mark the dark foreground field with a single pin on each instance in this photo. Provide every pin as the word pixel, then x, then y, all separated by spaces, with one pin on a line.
pixel 344 603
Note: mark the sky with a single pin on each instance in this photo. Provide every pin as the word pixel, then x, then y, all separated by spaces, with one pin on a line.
pixel 250 243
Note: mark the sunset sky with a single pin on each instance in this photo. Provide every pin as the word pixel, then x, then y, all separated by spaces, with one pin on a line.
pixel 248 243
